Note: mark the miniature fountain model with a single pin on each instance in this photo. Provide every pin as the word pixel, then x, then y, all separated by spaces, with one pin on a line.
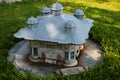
pixel 56 38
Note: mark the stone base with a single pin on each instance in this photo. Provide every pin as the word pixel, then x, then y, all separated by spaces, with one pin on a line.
pixel 70 64
pixel 69 71
pixel 33 60
pixel 89 57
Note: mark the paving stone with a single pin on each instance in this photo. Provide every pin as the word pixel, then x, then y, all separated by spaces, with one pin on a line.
pixel 71 71
pixel 58 71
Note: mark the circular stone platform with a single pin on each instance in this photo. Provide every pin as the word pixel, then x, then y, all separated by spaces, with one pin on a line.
pixel 88 58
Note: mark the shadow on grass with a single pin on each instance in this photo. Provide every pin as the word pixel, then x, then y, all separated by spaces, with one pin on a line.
pixel 96 14
pixel 101 1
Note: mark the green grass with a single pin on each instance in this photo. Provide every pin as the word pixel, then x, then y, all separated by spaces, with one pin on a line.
pixel 106 32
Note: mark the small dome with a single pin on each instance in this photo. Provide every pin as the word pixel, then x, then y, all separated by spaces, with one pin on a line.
pixel 57 6
pixel 32 20
pixel 70 26
pixel 46 10
pixel 79 12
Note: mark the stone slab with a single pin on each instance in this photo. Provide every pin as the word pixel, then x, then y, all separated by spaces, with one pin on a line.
pixel 71 71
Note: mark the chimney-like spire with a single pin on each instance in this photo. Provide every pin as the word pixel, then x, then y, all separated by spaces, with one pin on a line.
pixel 79 14
pixel 46 11
pixel 57 9
pixel 31 22
pixel 70 26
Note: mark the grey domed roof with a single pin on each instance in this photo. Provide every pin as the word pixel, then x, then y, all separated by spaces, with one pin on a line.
pixel 32 20
pixel 79 12
pixel 52 28
pixel 46 10
pixel 56 6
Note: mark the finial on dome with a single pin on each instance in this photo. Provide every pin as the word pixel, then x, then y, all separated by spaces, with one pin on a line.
pixel 32 20
pixel 57 6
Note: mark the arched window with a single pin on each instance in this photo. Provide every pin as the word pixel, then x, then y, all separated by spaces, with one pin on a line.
pixel 66 55
pixel 43 55
pixel 69 55
pixel 72 55
pixel 35 51
pixel 59 57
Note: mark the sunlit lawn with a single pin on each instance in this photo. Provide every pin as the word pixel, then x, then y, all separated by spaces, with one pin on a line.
pixel 106 32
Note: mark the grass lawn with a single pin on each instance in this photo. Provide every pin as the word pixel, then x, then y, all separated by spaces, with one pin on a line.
pixel 106 32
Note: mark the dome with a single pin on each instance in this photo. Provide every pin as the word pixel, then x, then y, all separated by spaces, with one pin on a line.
pixel 57 6
pixel 46 10
pixel 32 20
pixel 79 12
pixel 70 26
